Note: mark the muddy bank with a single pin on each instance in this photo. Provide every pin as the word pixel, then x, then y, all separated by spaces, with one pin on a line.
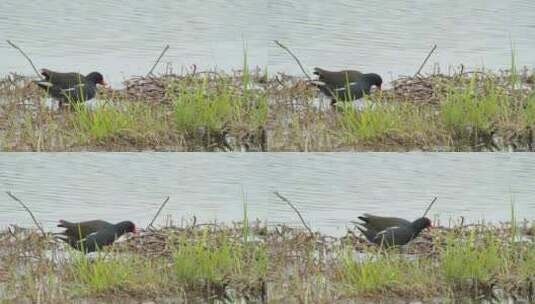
pixel 249 111
pixel 255 263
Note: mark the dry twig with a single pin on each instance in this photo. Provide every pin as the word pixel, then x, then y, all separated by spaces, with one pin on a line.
pixel 157 213
pixel 28 210
pixel 430 205
pixel 294 57
pixel 295 209
pixel 157 60
pixel 425 60
pixel 26 56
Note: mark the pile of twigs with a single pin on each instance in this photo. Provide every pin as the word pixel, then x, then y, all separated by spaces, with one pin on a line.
pixel 433 88
pixel 150 88
pixel 420 89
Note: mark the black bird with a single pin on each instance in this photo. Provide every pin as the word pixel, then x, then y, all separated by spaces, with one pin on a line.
pixel 92 235
pixel 70 87
pixel 337 78
pixel 75 232
pixel 391 231
pixel 335 84
pixel 379 223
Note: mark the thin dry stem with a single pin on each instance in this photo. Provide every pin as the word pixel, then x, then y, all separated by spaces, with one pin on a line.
pixel 430 205
pixel 295 209
pixel 28 210
pixel 294 57
pixel 425 60
pixel 157 213
pixel 157 60
pixel 26 56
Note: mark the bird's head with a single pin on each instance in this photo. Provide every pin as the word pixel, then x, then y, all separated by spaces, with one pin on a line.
pixel 126 226
pixel 96 78
pixel 375 80
pixel 423 223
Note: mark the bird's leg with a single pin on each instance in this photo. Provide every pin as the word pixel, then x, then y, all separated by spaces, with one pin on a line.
pixel 333 103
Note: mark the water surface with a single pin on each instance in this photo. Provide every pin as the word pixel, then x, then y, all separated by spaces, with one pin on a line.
pixel 122 38
pixel 331 189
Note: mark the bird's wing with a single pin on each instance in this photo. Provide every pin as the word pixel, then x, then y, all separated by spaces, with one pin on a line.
pixel 94 241
pixel 75 88
pixel 394 235
pixel 350 85
pixel 388 231
pixel 386 237
pixel 84 245
pixel 75 93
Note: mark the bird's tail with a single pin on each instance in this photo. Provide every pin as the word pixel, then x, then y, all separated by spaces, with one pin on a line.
pixel 64 224
pixel 318 71
pixel 363 218
pixel 45 72
pixel 369 234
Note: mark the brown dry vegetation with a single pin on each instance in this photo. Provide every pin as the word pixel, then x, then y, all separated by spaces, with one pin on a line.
pixel 247 111
pixel 278 264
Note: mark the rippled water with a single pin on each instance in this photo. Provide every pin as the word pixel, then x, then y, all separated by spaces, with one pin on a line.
pixel 123 38
pixel 393 37
pixel 331 189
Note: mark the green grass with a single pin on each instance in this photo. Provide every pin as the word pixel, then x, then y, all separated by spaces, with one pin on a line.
pixel 114 275
pixel 528 111
pixel 223 107
pixel 465 260
pixel 385 120
pixel 220 105
pixel 107 122
pixel 467 108
pixel 371 123
pixel 209 261
pixel 194 263
pixel 467 263
pixel 375 274
pixel 482 112
pixel 525 262
pixel 203 264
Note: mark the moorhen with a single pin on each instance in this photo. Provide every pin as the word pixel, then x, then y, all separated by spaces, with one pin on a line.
pixel 337 78
pixel 335 84
pixel 379 223
pixel 70 87
pixel 74 232
pixel 391 231
pixel 92 235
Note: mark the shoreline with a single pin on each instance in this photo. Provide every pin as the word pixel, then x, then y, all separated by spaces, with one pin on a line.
pixel 247 111
pixel 271 264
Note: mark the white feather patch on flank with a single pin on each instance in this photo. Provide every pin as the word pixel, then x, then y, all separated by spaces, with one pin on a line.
pixel 76 87
pixel 317 82
pixel 345 86
pixel 45 84
pixel 389 229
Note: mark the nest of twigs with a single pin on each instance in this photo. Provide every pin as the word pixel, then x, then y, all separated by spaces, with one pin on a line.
pixel 150 88
pixel 433 88
pixel 419 89
pixel 163 88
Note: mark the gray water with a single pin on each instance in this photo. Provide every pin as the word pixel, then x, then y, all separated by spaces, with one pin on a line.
pixel 123 38
pixel 331 189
